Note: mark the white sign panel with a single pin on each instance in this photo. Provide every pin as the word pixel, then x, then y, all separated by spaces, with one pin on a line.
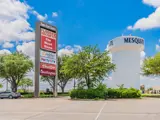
pixel 48 55
pixel 47 60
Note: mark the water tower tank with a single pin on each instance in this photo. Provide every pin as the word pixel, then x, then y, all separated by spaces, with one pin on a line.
pixel 126 55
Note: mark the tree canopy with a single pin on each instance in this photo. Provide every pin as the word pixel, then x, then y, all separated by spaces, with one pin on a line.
pixel 25 83
pixel 62 77
pixel 14 67
pixel 1 86
pixel 50 80
pixel 151 65
pixel 90 66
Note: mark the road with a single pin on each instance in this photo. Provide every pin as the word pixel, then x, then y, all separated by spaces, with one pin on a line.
pixel 65 109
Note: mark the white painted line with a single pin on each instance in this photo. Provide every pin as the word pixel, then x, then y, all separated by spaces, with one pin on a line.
pixel 100 111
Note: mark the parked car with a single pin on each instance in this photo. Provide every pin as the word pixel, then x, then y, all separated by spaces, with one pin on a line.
pixel 9 95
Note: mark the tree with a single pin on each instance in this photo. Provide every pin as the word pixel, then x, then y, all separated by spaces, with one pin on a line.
pixel 14 67
pixel 90 66
pixel 1 86
pixel 50 80
pixel 63 78
pixel 151 65
pixel 25 83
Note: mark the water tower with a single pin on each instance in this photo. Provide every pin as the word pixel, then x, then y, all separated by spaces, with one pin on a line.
pixel 126 55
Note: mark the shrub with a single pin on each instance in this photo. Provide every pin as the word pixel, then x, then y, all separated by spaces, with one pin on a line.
pixel 28 95
pixel 45 96
pixel 98 93
pixel 86 94
pixel 101 92
pixel 151 95
pixel 124 93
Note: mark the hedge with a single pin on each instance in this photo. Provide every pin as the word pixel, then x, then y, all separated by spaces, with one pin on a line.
pixel 42 95
pixel 151 95
pixel 124 93
pixel 105 93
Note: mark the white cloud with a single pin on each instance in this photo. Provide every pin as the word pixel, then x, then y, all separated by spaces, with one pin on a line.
pixel 39 16
pixel 143 55
pixel 61 45
pixel 51 22
pixel 8 45
pixel 69 50
pixel 11 9
pixel 129 28
pixel 4 51
pixel 150 22
pixel 65 51
pixel 157 47
pixel 27 48
pixel 13 21
pixel 110 54
pixel 77 48
pixel 155 3
pixel 54 14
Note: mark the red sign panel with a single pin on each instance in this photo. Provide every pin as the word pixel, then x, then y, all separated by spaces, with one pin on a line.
pixel 47 66
pixel 48 40
pixel 45 72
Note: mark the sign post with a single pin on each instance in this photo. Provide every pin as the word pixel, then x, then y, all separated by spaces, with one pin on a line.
pixel 46 58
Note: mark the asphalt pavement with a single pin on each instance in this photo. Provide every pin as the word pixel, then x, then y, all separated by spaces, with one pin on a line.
pixel 65 109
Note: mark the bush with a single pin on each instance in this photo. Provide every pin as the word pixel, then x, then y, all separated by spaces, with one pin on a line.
pixel 101 92
pixel 87 94
pixel 45 96
pixel 151 95
pixel 98 93
pixel 124 93
pixel 28 95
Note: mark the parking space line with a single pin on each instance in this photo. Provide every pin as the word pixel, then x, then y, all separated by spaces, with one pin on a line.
pixel 100 111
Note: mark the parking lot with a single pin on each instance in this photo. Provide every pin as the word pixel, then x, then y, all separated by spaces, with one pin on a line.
pixel 65 109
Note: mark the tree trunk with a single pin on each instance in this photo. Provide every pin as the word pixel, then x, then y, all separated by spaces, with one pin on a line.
pixel 14 86
pixel 53 91
pixel 74 84
pixel 24 90
pixel 88 84
pixel 62 88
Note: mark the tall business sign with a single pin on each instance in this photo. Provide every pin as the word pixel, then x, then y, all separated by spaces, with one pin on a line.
pixel 45 53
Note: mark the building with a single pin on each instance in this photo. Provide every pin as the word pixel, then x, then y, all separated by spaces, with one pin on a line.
pixel 125 52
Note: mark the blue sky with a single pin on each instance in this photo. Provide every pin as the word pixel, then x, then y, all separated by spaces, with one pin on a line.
pixel 80 23
pixel 88 22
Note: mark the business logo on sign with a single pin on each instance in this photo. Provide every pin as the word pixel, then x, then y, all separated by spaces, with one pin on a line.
pixel 48 40
pixel 47 26
pixel 47 66
pixel 133 40
pixel 45 72
pixel 48 54
pixel 47 60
